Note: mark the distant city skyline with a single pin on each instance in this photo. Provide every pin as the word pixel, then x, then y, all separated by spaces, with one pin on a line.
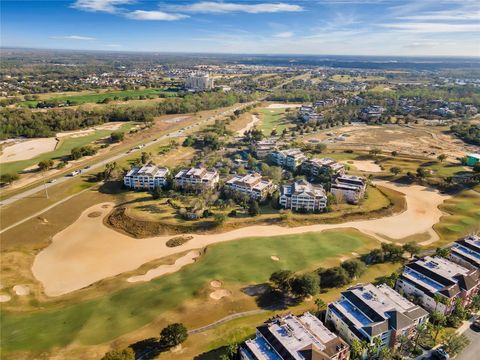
pixel 315 27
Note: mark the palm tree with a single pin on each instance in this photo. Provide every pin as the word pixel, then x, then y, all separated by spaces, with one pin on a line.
pixel 320 304
pixel 437 298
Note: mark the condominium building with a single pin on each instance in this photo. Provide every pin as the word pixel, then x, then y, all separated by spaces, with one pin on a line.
pixel 264 148
pixel 290 159
pixel 199 82
pixel 196 178
pixel 466 252
pixel 303 196
pixel 146 177
pixel 373 112
pixel 422 279
pixel 367 312
pixel 315 167
pixel 349 188
pixel 253 185
pixel 294 338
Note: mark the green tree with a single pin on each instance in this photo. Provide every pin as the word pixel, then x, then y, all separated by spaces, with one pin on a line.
pixel 354 267
pixel 125 354
pixel 254 208
pixel 145 157
pixel 157 193
pixel 321 305
pixel 454 343
pixel 442 252
pixel 395 170
pixel 412 248
pixel 45 164
pixel 173 335
pixel 281 279
pixel 374 152
pixel 442 157
pixel 117 136
pixel 8 178
pixel 305 285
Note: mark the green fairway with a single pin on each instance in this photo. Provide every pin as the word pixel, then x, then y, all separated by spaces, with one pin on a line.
pixel 96 97
pixel 273 119
pixel 245 261
pixel 64 147
pixel 463 218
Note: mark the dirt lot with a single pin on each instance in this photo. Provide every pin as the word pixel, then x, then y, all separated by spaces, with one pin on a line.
pixel 416 140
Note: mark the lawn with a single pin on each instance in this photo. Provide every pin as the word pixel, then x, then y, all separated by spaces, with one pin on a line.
pixel 63 148
pixel 241 262
pixel 463 218
pixel 348 78
pixel 94 97
pixel 273 119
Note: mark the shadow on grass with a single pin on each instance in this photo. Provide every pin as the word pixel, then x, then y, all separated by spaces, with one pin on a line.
pixel 214 354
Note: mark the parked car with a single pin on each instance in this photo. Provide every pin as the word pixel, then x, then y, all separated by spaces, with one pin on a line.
pixel 476 325
pixel 441 354
pixel 52 181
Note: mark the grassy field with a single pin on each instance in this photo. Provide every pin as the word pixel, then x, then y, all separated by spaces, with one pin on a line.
pixel 273 119
pixel 93 97
pixel 63 148
pixel 243 262
pixel 463 218
pixel 348 78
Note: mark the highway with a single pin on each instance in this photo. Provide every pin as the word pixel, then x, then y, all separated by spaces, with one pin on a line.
pixel 101 163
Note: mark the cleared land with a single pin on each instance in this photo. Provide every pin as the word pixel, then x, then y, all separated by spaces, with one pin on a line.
pixel 242 262
pixel 27 149
pixel 70 262
pixel 349 78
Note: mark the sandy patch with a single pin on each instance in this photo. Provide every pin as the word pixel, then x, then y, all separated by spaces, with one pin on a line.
pixel 283 106
pixel 249 126
pixel 176 119
pixel 5 298
pixel 21 290
pixel 166 269
pixel 216 283
pixel 24 150
pixel 218 294
pixel 275 258
pixel 70 262
pixel 343 258
pixel 106 206
pixel 94 214
pixel 364 165
pixel 355 254
pixel 76 133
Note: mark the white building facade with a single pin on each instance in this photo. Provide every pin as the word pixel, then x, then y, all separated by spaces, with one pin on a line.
pixel 303 196
pixel 147 177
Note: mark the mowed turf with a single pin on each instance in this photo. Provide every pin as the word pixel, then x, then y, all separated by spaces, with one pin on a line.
pixel 64 148
pixel 273 119
pixel 245 261
pixel 463 218
pixel 96 97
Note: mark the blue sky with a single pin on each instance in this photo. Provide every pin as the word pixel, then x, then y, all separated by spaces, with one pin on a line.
pixel 340 27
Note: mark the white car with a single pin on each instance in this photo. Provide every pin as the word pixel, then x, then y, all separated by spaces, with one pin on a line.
pixel 52 181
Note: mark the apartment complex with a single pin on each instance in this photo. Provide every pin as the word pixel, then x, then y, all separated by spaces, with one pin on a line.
pixel 366 312
pixel 349 188
pixel 290 159
pixel 303 196
pixel 196 178
pixel 146 177
pixel 422 279
pixel 253 185
pixel 199 82
pixel 294 338
pixel 466 252
pixel 372 113
pixel 315 167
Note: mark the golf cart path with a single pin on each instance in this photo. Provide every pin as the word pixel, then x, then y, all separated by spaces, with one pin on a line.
pixel 88 251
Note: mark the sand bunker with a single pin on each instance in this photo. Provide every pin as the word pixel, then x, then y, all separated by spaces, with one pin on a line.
pixel 218 294
pixel 21 290
pixel 283 106
pixel 166 269
pixel 216 283
pixel 275 258
pixel 364 165
pixel 5 298
pixel 27 149
pixel 71 261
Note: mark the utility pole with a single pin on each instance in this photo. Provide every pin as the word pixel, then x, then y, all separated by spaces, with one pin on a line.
pixel 44 184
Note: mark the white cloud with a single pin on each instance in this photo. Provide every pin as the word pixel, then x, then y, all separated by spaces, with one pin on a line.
pixel 225 7
pixel 154 15
pixel 284 34
pixel 74 37
pixel 433 27
pixel 108 6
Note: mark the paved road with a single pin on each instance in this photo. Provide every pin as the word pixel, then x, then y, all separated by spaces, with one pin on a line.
pixel 99 164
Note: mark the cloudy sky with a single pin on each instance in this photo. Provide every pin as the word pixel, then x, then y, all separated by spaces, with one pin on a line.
pixel 337 27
